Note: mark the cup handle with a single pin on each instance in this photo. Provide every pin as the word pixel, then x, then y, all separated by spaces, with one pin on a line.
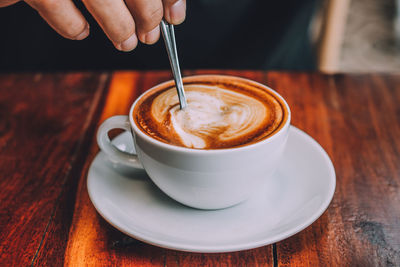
pixel 104 142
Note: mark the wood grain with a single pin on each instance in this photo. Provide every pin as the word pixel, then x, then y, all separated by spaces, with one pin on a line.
pixel 47 142
pixel 42 121
pixel 356 119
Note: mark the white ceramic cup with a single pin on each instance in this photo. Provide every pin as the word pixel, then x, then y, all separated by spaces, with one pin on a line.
pixel 204 179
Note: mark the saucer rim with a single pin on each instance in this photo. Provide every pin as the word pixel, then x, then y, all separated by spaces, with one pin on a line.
pixel 240 246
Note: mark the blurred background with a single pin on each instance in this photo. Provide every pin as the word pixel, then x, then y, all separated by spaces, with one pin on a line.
pixel 325 35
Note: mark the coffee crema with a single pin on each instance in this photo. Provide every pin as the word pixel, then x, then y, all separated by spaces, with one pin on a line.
pixel 220 114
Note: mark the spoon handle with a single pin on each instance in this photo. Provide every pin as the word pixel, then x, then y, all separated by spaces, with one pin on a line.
pixel 168 34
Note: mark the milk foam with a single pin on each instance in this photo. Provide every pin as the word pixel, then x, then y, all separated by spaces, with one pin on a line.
pixel 213 114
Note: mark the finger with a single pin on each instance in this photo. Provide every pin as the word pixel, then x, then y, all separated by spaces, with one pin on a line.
pixel 147 15
pixel 174 11
pixel 4 3
pixel 116 21
pixel 63 17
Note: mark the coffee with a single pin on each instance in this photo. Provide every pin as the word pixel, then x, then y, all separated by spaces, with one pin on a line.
pixel 222 112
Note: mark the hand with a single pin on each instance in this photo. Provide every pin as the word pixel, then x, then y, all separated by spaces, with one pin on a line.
pixel 122 21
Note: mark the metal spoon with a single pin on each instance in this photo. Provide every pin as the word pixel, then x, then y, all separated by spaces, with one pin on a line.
pixel 168 34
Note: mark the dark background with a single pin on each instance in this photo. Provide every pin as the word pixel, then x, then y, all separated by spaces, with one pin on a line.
pixel 226 34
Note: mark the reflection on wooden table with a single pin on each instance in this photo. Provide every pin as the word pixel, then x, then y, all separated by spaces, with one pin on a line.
pixel 47 142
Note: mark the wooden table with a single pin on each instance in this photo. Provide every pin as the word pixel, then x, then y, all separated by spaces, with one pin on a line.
pixel 47 142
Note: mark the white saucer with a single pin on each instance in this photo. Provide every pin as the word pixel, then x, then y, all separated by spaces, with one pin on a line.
pixel 294 198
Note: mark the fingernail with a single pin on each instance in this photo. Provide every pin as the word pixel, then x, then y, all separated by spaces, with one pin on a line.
pixel 177 12
pixel 83 34
pixel 129 44
pixel 152 36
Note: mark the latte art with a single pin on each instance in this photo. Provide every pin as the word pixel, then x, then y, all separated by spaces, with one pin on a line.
pixel 213 114
pixel 218 115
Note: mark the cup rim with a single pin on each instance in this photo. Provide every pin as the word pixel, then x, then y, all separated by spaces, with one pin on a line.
pixel 269 139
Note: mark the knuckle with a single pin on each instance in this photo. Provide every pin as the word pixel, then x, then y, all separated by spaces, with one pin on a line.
pixel 124 31
pixel 45 4
pixel 152 17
